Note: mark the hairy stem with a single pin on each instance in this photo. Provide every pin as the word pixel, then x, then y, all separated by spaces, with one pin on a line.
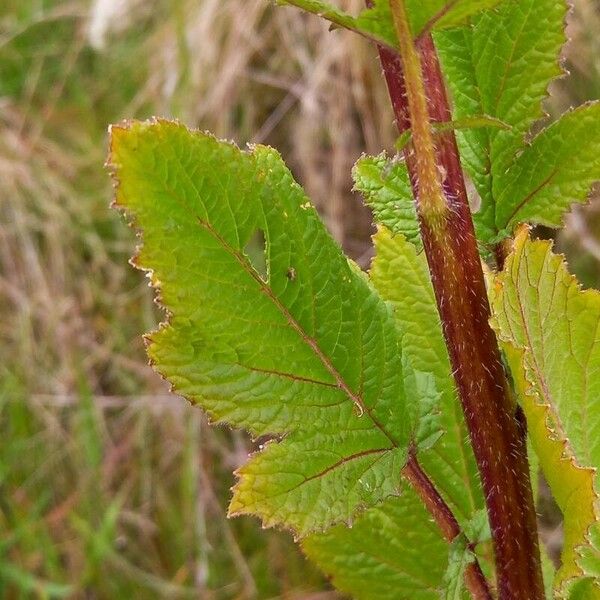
pixel 442 514
pixel 431 194
pixel 419 98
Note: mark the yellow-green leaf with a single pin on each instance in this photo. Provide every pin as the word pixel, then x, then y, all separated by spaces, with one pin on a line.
pixel 401 276
pixel 550 330
pixel 296 346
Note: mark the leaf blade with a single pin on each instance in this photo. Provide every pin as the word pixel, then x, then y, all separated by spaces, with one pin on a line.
pixel 385 186
pixel 389 548
pixel 302 358
pixel 539 310
pixel 555 171
pixel 376 21
pixel 401 276
pixel 521 40
pixel 395 548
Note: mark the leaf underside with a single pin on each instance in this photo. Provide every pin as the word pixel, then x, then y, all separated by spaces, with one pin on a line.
pixel 550 330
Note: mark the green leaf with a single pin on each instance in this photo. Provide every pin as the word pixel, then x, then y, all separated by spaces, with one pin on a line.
pixel 475 531
pixel 305 352
pixel 548 568
pixel 590 555
pixel 376 22
pixel 385 187
pixel 501 67
pixel 473 122
pixel 392 551
pixel 443 14
pixel 429 427
pixel 459 559
pixel 584 589
pixel 556 170
pixel 550 331
pixel 401 277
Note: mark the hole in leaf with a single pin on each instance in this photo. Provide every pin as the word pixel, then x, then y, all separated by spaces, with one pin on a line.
pixel 256 251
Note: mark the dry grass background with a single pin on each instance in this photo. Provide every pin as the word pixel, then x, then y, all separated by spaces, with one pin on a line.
pixel 109 488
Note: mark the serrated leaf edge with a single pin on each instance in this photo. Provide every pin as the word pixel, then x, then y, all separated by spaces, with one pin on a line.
pixel 555 434
pixel 213 419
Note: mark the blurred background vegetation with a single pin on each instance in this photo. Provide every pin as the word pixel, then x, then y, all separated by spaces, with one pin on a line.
pixel 109 487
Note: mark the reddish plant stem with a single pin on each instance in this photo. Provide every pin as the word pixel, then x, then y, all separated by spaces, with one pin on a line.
pixel 457 277
pixel 475 580
pixel 442 514
pixel 501 252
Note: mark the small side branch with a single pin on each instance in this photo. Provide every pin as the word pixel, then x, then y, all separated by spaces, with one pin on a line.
pixel 475 580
